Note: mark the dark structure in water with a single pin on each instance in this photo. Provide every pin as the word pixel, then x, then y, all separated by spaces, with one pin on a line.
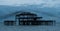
pixel 27 18
pixel 9 22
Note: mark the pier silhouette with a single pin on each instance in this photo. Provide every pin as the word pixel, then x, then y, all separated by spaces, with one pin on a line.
pixel 28 18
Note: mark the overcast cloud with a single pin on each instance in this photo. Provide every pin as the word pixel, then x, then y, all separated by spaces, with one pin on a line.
pixel 45 3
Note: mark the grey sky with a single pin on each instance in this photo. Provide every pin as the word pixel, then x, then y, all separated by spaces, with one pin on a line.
pixel 19 2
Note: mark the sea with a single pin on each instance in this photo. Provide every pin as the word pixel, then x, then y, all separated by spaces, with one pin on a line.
pixel 55 27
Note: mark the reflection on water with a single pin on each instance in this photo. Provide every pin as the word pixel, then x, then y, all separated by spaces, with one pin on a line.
pixel 30 28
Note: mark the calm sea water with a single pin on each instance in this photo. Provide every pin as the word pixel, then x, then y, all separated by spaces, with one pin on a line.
pixel 30 28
